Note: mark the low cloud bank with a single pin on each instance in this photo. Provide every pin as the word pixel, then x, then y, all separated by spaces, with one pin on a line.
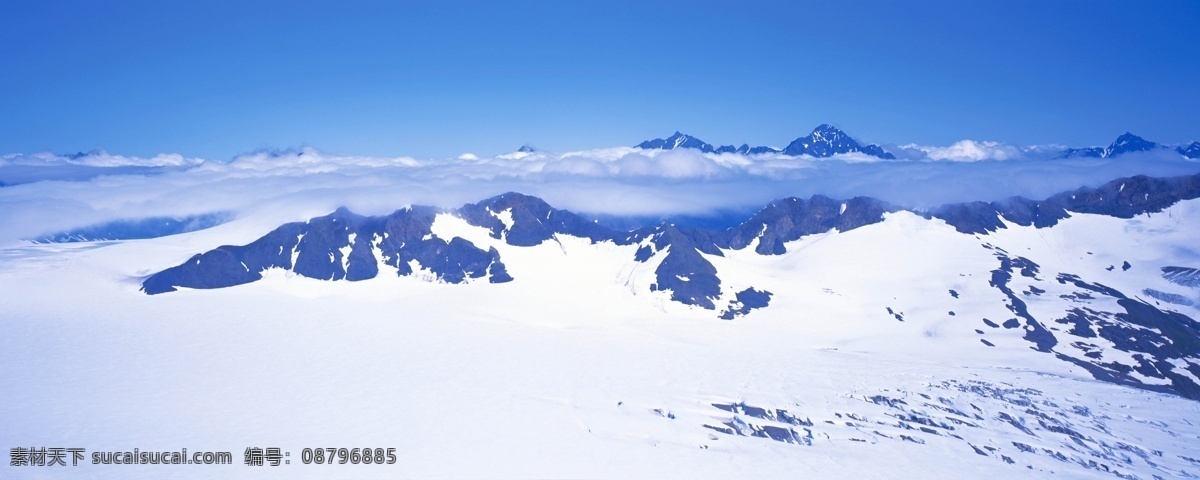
pixel 49 193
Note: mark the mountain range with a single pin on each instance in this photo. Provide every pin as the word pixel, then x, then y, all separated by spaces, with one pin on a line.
pixel 1156 341
pixel 827 140
pixel 1128 143
pixel 824 141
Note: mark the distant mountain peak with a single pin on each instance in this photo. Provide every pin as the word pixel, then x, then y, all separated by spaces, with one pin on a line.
pixel 526 148
pixel 676 140
pixel 1126 143
pixel 1129 142
pixel 1190 151
pixel 98 151
pixel 824 141
pixel 746 149
pixel 827 140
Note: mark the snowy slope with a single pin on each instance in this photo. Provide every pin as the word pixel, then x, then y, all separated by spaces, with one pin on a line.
pixel 1158 346
pixel 857 369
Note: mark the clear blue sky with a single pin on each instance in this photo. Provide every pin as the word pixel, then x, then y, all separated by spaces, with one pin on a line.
pixel 434 79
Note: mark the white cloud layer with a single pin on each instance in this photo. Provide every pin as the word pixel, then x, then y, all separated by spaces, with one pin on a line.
pixel 972 151
pixel 97 158
pixel 53 192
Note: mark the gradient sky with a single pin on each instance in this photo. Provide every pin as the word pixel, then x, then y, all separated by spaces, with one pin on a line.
pixel 436 79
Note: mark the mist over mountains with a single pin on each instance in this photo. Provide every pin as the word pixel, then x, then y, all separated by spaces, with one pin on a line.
pixel 679 178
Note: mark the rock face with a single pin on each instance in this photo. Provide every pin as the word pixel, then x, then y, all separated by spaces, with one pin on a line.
pixel 1188 277
pixel 745 301
pixel 791 218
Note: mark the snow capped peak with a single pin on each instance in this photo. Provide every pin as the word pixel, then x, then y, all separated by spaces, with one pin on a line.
pixel 1129 142
pixel 826 130
pixel 827 140
pixel 526 148
pixel 1126 143
pixel 676 140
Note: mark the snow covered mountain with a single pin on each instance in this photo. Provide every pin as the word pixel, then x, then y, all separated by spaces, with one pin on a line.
pixel 1135 330
pixel 1126 143
pixel 1190 151
pixel 1129 142
pixel 827 140
pixel 824 141
pixel 1031 338
pixel 676 140
pixel 746 149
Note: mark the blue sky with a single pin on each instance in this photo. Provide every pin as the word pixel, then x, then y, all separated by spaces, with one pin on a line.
pixel 435 79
